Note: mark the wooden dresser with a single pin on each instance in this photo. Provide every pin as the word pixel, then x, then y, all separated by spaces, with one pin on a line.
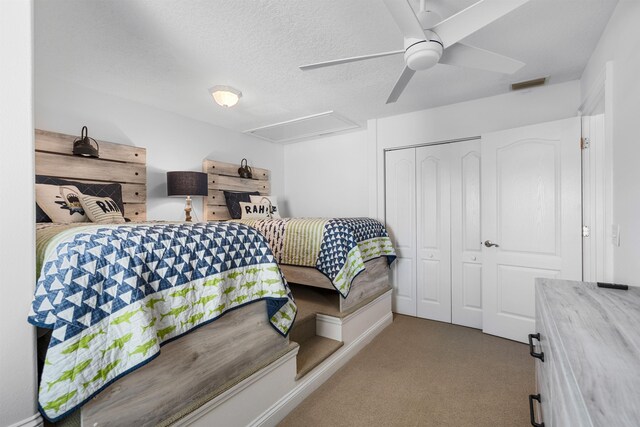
pixel 587 347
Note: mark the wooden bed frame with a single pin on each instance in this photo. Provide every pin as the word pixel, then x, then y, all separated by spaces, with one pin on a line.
pixel 224 176
pixel 192 370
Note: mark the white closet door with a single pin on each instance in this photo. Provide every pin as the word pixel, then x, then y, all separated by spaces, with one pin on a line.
pixel 433 233
pixel 400 188
pixel 466 251
pixel 531 208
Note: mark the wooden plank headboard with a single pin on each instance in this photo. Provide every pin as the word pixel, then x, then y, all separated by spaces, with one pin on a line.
pixel 118 163
pixel 224 176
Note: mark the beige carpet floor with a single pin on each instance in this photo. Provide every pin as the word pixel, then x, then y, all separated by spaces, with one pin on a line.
pixel 424 373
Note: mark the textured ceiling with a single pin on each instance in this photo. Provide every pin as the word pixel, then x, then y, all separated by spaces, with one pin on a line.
pixel 167 53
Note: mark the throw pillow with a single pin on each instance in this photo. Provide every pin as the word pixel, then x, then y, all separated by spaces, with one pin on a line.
pixel 233 199
pixel 254 210
pixel 114 191
pixel 268 200
pixel 61 204
pixel 102 210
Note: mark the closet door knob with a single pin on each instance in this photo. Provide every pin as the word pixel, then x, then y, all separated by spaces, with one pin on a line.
pixel 489 243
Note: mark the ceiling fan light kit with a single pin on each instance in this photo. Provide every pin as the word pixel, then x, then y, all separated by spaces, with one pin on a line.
pixel 423 54
pixel 429 41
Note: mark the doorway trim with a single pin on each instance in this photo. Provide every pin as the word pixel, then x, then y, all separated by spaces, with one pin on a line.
pixel 597 203
pixel 424 144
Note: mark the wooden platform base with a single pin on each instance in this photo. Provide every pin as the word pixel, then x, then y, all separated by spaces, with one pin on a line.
pixel 373 280
pixel 358 331
pixel 240 405
pixel 274 392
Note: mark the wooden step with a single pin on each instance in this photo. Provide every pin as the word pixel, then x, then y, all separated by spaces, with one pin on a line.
pixel 315 300
pixel 314 351
pixel 304 328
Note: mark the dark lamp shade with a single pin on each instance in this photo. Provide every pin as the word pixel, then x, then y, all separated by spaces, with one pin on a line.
pixel 185 183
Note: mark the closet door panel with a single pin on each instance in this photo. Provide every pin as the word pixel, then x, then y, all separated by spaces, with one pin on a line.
pixel 433 233
pixel 466 249
pixel 400 209
pixel 471 292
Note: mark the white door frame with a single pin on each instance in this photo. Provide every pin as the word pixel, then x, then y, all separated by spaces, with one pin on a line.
pixel 597 178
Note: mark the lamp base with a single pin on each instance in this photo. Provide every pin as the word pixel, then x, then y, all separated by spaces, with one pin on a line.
pixel 187 210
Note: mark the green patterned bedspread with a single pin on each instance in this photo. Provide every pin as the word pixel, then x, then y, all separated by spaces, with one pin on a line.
pixel 337 247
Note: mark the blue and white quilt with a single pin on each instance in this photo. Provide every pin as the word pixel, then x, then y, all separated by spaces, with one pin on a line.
pixel 113 294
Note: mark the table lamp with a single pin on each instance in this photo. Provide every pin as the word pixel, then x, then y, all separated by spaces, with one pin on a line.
pixel 187 183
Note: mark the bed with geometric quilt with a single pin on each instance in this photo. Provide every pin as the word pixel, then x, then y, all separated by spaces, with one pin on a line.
pixel 113 295
pixel 336 247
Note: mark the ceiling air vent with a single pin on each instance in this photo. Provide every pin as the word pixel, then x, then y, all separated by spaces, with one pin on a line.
pixel 529 84
pixel 304 127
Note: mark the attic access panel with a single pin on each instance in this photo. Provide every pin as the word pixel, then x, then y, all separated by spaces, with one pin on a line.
pixel 304 127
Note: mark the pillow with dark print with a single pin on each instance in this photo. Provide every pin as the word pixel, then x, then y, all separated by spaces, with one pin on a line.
pixel 113 191
pixel 267 200
pixel 233 199
pixel 61 203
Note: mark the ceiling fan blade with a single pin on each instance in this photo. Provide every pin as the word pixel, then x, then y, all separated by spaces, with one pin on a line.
pixel 402 82
pixel 471 19
pixel 347 60
pixel 464 55
pixel 405 18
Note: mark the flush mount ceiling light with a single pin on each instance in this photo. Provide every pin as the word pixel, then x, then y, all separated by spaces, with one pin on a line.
pixel 225 96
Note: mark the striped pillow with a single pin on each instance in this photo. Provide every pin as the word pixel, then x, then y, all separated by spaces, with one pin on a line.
pixel 102 210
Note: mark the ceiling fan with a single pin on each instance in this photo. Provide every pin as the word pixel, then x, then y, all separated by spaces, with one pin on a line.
pixel 428 40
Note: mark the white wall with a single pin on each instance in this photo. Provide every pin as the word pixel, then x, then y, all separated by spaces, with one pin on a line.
pixel 343 175
pixel 467 119
pixel 17 216
pixel 173 142
pixel 620 44
pixel 473 118
pixel 325 178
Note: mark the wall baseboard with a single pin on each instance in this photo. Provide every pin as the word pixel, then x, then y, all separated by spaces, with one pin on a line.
pixel 33 421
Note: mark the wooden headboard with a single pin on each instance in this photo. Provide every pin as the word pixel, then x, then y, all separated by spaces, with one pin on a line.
pixel 118 163
pixel 224 176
